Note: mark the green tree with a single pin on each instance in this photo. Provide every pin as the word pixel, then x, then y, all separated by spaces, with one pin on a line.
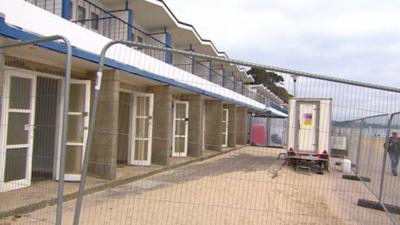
pixel 270 80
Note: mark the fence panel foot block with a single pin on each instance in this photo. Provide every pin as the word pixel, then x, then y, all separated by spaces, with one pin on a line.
pixel 356 178
pixel 378 206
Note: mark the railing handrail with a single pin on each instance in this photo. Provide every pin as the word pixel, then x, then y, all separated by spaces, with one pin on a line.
pixel 201 63
pixel 237 84
pixel 277 107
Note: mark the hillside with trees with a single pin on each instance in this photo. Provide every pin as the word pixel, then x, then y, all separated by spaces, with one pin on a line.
pixel 270 80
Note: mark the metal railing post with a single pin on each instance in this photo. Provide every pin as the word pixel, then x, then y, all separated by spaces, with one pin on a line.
pixel 223 78
pixel 66 9
pixel 89 139
pixel 381 186
pixel 359 147
pixel 210 72
pixel 64 130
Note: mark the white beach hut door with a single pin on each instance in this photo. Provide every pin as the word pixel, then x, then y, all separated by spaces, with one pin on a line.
pixel 307 133
pixel 17 131
pixel 141 129
pixel 180 129
pixel 78 122
pixel 225 120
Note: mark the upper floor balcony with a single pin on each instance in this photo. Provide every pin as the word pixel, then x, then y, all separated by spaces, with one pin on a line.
pixel 117 24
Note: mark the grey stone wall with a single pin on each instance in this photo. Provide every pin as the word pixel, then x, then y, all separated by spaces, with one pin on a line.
pixel 241 126
pixel 103 158
pixel 213 138
pixel 195 134
pixel 231 125
pixel 162 124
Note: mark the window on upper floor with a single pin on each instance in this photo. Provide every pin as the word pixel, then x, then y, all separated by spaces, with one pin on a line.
pixel 94 21
pixel 81 14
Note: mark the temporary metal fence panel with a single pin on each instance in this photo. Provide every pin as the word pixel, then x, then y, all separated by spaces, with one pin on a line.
pixel 388 193
pixel 33 134
pixel 268 131
pixel 129 175
pixel 277 132
pixel 330 199
pixel 371 150
pixel 259 131
pixel 361 116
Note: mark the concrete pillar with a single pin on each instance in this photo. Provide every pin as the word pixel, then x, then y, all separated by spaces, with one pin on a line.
pixel 162 125
pixel 103 158
pixel 195 135
pixel 213 137
pixel 241 126
pixel 231 125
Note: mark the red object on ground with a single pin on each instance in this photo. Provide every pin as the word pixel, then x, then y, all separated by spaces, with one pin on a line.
pixel 291 152
pixel 258 135
pixel 324 155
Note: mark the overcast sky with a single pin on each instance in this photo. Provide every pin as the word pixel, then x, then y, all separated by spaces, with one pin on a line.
pixel 357 39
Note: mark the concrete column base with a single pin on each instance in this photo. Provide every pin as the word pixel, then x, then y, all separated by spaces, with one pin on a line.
pixel 231 125
pixel 162 125
pixel 103 158
pixel 195 134
pixel 241 126
pixel 213 130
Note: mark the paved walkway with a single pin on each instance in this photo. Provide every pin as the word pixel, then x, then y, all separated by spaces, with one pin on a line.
pixel 239 187
pixel 44 193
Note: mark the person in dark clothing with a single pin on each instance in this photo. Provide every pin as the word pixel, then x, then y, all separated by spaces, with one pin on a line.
pixel 394 151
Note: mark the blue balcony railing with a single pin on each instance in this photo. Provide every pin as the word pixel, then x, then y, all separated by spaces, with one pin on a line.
pixel 107 23
pixel 53 6
pixel 203 70
pixel 110 24
pixel 92 17
pixel 277 107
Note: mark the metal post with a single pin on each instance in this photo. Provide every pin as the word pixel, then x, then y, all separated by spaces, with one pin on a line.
pixel 210 71
pixel 88 147
pixel 130 24
pixel 64 130
pixel 381 186
pixel 89 139
pixel 223 77
pixel 168 44
pixel 250 132
pixel 359 148
pixel 294 85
